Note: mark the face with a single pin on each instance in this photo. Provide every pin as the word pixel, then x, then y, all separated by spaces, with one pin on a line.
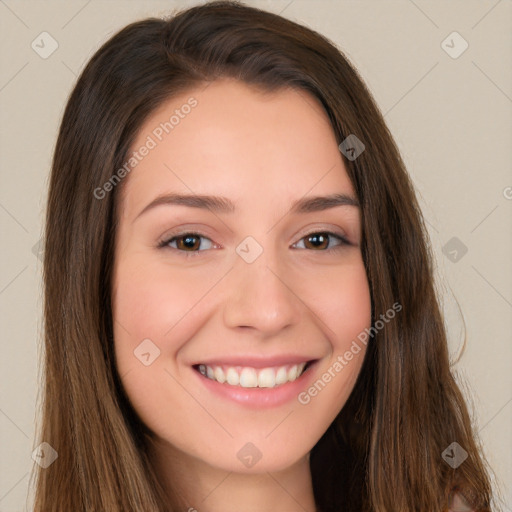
pixel 235 318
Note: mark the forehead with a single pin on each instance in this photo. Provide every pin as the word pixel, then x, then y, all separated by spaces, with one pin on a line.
pixel 238 141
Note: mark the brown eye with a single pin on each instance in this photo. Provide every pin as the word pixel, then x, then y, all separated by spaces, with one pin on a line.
pixel 187 242
pixel 320 240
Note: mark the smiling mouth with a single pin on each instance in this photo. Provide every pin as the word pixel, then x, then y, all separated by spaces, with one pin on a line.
pixel 249 377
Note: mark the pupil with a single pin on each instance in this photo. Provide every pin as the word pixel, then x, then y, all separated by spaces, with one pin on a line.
pixel 189 242
pixel 317 239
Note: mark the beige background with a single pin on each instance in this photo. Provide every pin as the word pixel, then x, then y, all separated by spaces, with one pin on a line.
pixel 451 118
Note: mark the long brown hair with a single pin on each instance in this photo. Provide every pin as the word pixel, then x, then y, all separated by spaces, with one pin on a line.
pixel 384 450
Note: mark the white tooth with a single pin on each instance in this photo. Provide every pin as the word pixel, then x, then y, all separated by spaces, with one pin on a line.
pixel 300 369
pixel 202 369
pixel 218 373
pixel 209 372
pixel 292 373
pixel 248 378
pixel 267 378
pixel 281 375
pixel 232 377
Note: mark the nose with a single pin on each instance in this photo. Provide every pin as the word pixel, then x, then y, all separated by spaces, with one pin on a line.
pixel 259 295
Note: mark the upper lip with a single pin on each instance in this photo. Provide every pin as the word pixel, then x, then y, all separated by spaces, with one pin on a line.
pixel 256 362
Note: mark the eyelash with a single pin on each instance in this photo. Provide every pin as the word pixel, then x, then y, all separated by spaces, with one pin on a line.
pixel 164 244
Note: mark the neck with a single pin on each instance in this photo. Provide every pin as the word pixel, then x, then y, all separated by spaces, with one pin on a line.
pixel 205 488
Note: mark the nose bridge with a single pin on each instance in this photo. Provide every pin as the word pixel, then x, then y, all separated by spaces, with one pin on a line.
pixel 258 294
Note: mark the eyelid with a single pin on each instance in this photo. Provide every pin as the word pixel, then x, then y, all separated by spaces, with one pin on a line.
pixel 164 242
pixel 344 241
pixel 328 230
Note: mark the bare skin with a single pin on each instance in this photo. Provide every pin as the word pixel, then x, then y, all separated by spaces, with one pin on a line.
pixel 300 297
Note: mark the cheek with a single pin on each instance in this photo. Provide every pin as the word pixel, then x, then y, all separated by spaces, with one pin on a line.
pixel 139 298
pixel 340 298
pixel 352 311
pixel 166 305
pixel 148 302
pixel 136 308
pixel 351 318
pixel 343 304
pixel 169 306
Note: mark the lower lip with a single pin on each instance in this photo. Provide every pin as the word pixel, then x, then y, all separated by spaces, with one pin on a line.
pixel 260 398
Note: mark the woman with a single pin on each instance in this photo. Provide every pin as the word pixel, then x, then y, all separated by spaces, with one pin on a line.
pixel 297 360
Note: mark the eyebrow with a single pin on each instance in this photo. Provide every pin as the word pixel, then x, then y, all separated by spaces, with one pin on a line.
pixel 221 204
